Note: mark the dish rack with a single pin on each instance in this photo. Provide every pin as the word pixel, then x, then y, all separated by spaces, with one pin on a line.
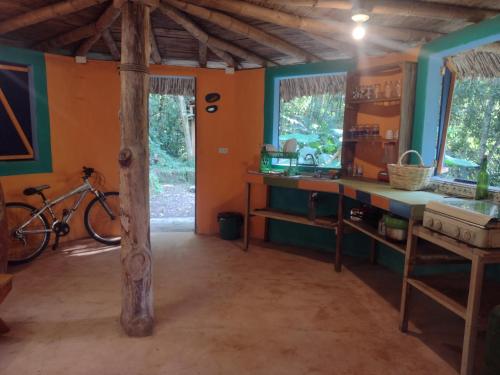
pixel 271 161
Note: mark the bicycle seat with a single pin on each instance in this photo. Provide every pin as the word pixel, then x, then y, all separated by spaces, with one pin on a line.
pixel 35 189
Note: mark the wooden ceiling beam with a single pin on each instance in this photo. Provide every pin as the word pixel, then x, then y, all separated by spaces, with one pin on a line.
pixel 107 18
pixel 401 8
pixel 155 51
pixel 68 38
pixel 202 55
pixel 224 56
pixel 46 13
pixel 313 25
pixel 111 44
pixel 251 32
pixel 209 40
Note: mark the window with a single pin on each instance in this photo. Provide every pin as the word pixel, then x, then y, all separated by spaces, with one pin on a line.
pixel 24 113
pixel 470 116
pixel 311 110
pixel 16 141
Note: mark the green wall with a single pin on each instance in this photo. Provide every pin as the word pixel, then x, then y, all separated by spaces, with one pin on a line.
pixel 428 90
pixel 35 60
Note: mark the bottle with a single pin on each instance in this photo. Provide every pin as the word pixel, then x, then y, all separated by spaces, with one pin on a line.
pixel 483 180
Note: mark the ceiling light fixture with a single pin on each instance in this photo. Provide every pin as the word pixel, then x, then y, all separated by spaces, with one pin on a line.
pixel 359 16
pixel 358 32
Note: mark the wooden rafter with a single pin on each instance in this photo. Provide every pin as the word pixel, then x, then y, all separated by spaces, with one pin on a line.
pixel 401 8
pixel 107 18
pixel 224 56
pixel 202 54
pixel 67 38
pixel 209 40
pixel 46 13
pixel 111 44
pixel 314 25
pixel 249 31
pixel 155 51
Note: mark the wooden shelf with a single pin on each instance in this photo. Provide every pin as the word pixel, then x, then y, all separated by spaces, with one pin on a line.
pixel 372 232
pixel 438 296
pixel 395 101
pixel 369 140
pixel 326 223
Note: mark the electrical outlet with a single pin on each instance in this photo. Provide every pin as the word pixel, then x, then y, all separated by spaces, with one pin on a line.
pixel 223 150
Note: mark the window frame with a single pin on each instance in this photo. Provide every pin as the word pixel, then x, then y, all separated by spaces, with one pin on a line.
pixel 42 162
pixel 272 90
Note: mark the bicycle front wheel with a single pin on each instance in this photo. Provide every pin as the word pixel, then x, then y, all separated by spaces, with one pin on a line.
pixel 102 218
pixel 26 241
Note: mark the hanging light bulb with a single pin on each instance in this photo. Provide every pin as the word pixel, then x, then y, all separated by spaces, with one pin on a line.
pixel 358 32
pixel 360 16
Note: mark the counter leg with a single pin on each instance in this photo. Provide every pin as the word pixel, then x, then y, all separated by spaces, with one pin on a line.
pixel 246 224
pixel 411 252
pixel 266 220
pixel 340 233
pixel 472 315
pixel 373 251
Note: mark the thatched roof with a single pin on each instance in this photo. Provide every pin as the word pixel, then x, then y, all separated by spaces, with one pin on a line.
pixel 175 85
pixel 305 86
pixel 252 33
pixel 482 62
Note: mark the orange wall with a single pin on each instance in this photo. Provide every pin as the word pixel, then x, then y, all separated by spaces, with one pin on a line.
pixel 84 104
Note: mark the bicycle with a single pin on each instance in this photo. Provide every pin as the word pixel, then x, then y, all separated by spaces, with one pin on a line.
pixel 29 229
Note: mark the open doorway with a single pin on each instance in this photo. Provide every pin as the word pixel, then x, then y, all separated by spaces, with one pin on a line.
pixel 172 134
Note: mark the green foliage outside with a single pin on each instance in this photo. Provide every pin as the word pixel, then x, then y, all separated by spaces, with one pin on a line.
pixel 316 122
pixel 169 159
pixel 474 129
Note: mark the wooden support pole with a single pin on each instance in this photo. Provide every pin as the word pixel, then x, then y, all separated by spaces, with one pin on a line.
pixel 4 234
pixel 313 25
pixel 202 55
pixel 211 41
pixel 46 13
pixel 136 257
pixel 111 44
pixel 249 31
pixel 401 8
pixel 103 23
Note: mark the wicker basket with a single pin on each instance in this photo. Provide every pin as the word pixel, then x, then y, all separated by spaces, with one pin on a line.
pixel 409 177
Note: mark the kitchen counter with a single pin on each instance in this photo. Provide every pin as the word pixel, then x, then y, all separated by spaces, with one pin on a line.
pixel 408 204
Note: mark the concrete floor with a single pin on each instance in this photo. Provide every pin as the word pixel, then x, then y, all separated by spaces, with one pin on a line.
pixel 221 311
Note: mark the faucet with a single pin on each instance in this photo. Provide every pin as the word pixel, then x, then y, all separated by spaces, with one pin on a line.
pixel 311 156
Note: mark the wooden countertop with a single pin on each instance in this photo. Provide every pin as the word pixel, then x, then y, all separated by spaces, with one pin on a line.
pixel 409 204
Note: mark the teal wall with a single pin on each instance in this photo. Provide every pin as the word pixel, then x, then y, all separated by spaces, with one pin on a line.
pixel 43 160
pixel 428 91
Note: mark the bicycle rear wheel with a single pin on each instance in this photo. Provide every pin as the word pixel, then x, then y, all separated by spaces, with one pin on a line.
pixel 29 242
pixel 102 218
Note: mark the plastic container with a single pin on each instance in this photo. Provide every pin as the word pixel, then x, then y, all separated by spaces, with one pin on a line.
pixel 230 225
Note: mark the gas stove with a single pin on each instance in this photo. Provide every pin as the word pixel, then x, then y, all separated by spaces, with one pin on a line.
pixel 474 222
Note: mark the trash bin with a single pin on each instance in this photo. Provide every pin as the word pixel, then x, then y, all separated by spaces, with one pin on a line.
pixel 230 225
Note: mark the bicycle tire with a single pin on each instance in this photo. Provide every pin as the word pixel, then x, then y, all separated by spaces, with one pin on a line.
pixel 43 245
pixel 92 232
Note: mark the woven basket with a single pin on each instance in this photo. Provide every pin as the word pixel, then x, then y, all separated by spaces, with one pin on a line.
pixel 409 177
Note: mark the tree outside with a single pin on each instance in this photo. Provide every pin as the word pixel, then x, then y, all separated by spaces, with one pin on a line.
pixel 172 164
pixel 316 121
pixel 474 129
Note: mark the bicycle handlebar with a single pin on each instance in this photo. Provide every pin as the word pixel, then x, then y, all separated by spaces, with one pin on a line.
pixel 87 172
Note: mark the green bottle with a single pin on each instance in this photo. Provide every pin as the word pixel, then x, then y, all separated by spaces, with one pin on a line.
pixel 483 180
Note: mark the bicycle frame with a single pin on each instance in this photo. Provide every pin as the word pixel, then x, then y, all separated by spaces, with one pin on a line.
pixel 83 190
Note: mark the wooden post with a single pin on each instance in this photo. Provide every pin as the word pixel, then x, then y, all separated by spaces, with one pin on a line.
pixel 4 235
pixel 136 256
